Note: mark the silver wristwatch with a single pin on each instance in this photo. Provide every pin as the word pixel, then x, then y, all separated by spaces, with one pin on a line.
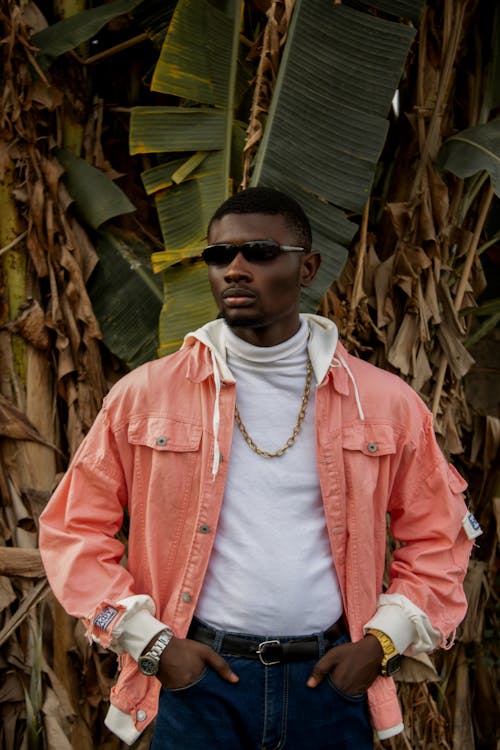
pixel 149 663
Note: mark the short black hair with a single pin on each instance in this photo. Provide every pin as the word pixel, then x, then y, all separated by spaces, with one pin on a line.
pixel 265 200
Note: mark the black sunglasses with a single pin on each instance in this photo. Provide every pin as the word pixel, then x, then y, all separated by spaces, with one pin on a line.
pixel 257 251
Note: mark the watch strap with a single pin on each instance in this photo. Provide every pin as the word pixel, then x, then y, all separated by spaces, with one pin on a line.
pixel 153 656
pixel 391 660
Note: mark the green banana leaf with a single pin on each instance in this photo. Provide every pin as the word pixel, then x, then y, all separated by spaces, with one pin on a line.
pixel 154 17
pixel 197 64
pixel 65 35
pixel 97 198
pixel 126 297
pixel 472 151
pixel 335 85
pixel 489 310
pixel 398 8
pixel 324 133
pixel 167 129
pixel 186 300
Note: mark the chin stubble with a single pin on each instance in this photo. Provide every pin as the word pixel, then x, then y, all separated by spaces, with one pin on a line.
pixel 243 322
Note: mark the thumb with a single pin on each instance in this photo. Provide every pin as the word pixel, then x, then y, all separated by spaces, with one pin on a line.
pixel 220 665
pixel 321 669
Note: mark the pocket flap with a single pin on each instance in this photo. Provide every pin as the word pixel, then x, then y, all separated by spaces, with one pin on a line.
pixel 456 482
pixel 371 440
pixel 164 434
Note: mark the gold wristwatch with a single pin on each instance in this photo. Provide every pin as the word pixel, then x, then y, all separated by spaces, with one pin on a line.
pixel 391 663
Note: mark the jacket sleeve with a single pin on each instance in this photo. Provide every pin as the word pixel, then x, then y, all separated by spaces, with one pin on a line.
pixel 427 512
pixel 82 554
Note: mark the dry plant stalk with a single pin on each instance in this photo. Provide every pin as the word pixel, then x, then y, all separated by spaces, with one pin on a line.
pixel 268 48
pixel 50 365
pixel 403 302
pixel 399 303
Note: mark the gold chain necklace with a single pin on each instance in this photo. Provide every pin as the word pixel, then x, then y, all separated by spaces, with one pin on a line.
pixel 296 429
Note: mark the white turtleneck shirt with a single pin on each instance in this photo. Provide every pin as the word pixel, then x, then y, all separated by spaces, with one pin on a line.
pixel 271 569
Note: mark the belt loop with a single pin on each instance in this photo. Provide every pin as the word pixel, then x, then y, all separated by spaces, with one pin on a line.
pixel 219 637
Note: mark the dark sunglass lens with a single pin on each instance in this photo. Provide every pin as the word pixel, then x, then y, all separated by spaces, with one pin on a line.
pixel 262 251
pixel 219 255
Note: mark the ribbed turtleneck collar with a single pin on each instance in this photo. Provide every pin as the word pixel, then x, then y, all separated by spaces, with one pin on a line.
pixel 266 354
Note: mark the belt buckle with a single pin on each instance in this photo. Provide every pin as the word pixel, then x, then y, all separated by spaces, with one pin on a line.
pixel 260 654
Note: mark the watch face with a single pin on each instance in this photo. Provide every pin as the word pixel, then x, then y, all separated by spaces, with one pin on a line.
pixel 148 666
pixel 393 665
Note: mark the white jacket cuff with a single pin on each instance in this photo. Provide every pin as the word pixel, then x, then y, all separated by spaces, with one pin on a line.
pixel 137 626
pixel 122 725
pixel 407 625
pixel 384 734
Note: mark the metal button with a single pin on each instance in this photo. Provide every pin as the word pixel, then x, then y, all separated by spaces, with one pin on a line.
pixel 186 597
pixel 161 440
pixel 372 447
pixel 141 715
pixel 205 528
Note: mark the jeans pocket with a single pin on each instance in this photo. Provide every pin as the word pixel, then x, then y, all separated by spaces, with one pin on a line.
pixel 190 685
pixel 342 694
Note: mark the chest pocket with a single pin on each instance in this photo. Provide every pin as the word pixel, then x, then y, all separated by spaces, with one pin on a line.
pixel 164 434
pixel 370 440
pixel 166 461
pixel 366 452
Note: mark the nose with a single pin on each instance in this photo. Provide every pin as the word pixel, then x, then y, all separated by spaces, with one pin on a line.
pixel 238 269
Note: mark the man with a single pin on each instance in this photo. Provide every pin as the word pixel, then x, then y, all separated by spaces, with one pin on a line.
pixel 258 465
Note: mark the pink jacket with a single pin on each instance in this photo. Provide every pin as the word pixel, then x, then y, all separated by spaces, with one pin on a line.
pixel 157 448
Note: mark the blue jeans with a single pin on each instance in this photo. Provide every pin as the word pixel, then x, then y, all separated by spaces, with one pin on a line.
pixel 270 708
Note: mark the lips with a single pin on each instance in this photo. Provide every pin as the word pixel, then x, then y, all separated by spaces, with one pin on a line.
pixel 237 297
pixel 237 292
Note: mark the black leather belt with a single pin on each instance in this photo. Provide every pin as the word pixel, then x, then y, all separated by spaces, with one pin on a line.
pixel 268 651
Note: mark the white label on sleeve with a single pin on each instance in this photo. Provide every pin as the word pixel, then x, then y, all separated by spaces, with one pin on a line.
pixel 104 618
pixel 471 526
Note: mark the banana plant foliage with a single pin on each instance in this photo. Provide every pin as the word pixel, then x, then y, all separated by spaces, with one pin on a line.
pixel 490 310
pixel 96 196
pixel 474 150
pixel 324 134
pixel 126 296
pixel 475 153
pixel 197 64
pixel 328 119
pixel 67 34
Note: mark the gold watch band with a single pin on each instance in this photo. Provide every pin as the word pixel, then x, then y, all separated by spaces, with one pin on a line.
pixel 391 660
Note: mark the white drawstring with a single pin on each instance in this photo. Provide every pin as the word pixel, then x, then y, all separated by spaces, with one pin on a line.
pixel 216 416
pixel 355 387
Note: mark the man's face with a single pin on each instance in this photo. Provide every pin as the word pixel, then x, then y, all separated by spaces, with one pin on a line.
pixel 260 301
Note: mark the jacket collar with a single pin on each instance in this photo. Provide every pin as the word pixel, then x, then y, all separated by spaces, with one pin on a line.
pixel 208 351
pixel 207 344
pixel 208 359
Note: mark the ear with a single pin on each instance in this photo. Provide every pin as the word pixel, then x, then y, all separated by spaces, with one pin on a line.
pixel 310 264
